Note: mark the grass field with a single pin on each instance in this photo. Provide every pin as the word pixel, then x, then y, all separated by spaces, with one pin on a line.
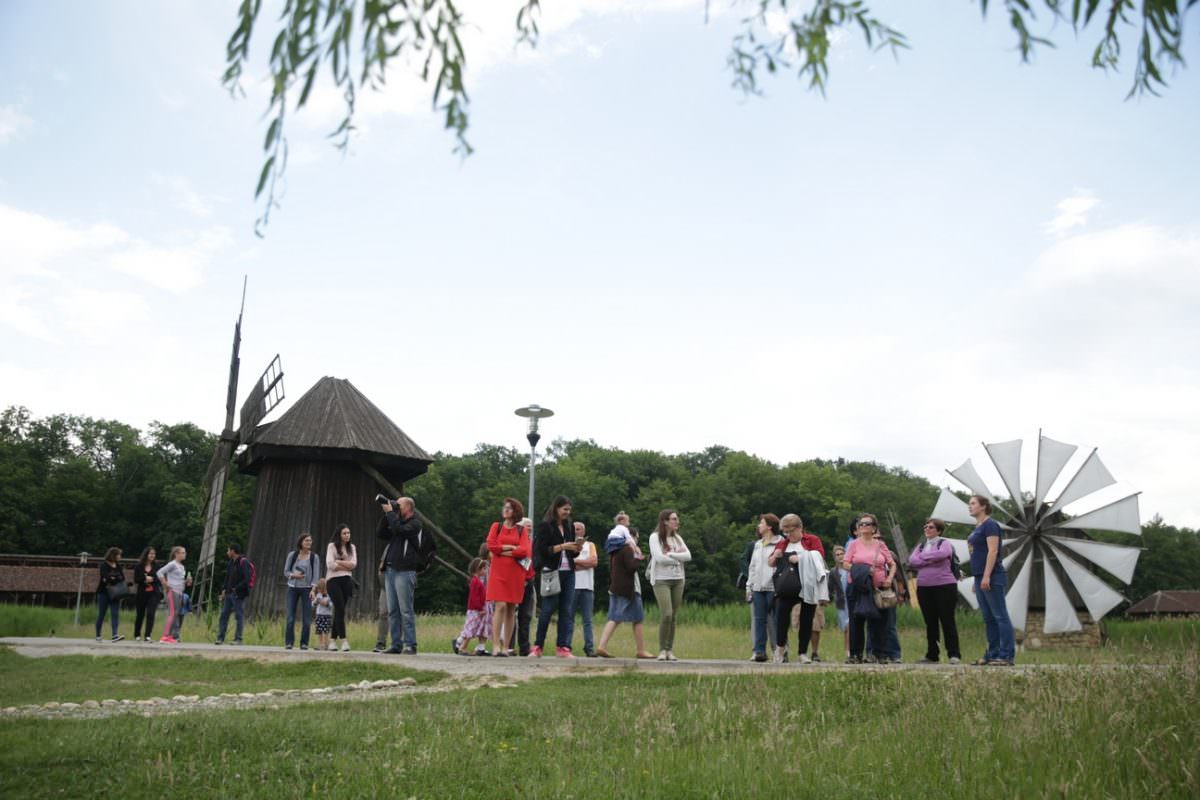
pixel 704 632
pixel 1106 732
pixel 1116 722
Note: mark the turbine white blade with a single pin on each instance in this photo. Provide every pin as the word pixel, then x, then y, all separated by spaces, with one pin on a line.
pixel 1052 457
pixel 968 477
pixel 1098 596
pixel 966 587
pixel 950 509
pixel 960 549
pixel 1091 477
pixel 1006 457
pixel 1116 559
pixel 1119 515
pixel 1017 598
pixel 1016 551
pixel 1060 612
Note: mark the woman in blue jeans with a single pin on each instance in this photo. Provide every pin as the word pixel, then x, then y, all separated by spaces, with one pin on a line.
pixel 760 586
pixel 302 570
pixel 554 550
pixel 991 580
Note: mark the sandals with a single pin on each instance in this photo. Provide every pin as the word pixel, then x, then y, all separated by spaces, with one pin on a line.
pixel 600 651
pixel 980 662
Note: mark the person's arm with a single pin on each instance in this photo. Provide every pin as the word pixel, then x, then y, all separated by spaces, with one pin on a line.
pixel 890 561
pixel 851 551
pixel 780 546
pixel 348 564
pixel 162 572
pixel 657 555
pixel 289 566
pixel 682 555
pixel 993 553
pixel 588 562
pixel 524 547
pixel 331 561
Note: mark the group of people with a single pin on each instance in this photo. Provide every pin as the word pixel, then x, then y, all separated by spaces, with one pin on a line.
pixel 787 583
pixel 152 584
pixel 558 557
pixel 552 566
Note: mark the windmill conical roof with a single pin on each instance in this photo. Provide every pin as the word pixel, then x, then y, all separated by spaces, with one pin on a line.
pixel 335 421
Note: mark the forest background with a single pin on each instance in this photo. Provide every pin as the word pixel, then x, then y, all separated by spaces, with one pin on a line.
pixel 73 483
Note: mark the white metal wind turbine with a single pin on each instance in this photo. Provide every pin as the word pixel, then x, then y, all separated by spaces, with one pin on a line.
pixel 1044 544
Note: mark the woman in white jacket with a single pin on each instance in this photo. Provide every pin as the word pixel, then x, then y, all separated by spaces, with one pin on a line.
pixel 760 587
pixel 668 554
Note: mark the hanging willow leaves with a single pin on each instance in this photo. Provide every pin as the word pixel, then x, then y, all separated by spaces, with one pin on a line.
pixel 360 39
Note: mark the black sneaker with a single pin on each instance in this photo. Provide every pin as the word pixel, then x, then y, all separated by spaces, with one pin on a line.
pixel 303 647
pixel 409 651
pixel 219 641
pixel 393 651
pixel 816 658
pixel 380 647
pixel 118 638
pixel 760 657
pixel 236 642
pixel 854 660
pixel 454 645
pixel 590 652
pixel 287 647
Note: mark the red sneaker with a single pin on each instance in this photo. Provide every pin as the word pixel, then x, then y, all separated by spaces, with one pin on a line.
pixel 563 652
pixel 169 640
pixel 535 652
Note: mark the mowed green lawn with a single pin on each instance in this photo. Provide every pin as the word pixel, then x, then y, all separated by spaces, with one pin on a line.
pixel 1075 732
pixel 1116 722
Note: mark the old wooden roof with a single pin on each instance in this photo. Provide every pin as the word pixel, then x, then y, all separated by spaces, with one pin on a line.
pixel 334 421
pixel 52 574
pixel 1168 603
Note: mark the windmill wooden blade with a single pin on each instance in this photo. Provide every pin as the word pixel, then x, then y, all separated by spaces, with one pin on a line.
pixel 266 394
pixel 1017 598
pixel 1006 458
pixel 1052 457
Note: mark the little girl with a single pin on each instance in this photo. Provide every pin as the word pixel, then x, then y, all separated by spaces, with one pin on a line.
pixel 479 623
pixel 324 609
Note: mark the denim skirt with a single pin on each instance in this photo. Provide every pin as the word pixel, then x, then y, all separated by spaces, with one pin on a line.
pixel 623 609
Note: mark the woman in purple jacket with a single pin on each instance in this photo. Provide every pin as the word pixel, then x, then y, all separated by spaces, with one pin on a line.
pixel 937 591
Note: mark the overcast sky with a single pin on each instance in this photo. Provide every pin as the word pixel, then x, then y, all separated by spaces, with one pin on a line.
pixel 949 248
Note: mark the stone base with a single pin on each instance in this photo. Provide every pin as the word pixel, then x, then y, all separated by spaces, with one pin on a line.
pixel 1033 637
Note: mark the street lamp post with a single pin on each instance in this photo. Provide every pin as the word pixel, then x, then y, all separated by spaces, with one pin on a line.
pixel 533 413
pixel 83 557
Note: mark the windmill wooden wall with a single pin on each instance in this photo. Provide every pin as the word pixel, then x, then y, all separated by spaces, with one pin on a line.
pixel 296 496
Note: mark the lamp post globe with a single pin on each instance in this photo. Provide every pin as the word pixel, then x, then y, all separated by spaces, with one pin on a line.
pixel 533 413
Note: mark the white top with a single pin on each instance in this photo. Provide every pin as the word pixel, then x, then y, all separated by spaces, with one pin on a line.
pixel 667 565
pixel 586 578
pixel 323 604
pixel 761 573
pixel 173 575
pixel 331 557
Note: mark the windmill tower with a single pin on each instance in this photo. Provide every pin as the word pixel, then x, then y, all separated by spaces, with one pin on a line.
pixel 318 466
pixel 1051 560
pixel 266 394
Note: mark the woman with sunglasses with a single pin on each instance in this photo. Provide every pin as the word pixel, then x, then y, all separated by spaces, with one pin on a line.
pixel 937 591
pixel 871 566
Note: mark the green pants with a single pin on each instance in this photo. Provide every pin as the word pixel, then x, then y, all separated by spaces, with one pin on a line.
pixel 669 594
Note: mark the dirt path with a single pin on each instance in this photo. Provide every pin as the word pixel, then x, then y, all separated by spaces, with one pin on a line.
pixel 463 673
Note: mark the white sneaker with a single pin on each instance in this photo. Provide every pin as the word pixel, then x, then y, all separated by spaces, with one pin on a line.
pixel 662 655
pixel 345 646
pixel 803 659
pixel 671 656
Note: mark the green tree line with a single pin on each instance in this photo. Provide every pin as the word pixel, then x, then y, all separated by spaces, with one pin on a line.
pixel 72 483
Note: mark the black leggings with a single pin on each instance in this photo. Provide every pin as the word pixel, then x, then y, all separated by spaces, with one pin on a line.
pixel 783 620
pixel 937 606
pixel 146 604
pixel 341 589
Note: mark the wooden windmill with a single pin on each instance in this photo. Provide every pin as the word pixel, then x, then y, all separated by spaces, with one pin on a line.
pixel 318 466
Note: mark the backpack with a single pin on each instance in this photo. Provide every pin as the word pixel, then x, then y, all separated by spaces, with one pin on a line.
pixel 426 552
pixel 253 572
pixel 955 566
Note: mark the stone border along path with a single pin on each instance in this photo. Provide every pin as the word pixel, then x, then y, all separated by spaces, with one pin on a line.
pixel 466 672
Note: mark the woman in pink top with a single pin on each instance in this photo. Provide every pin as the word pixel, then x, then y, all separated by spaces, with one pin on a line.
pixel 340 561
pixel 868 551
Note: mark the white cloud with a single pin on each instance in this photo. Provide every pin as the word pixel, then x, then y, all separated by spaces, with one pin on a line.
pixel 30 243
pixel 182 195
pixel 175 268
pixel 1148 255
pixel 1072 212
pixel 13 123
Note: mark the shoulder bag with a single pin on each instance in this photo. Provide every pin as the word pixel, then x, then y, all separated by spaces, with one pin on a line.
pixel 549 585
pixel 885 597
pixel 786 579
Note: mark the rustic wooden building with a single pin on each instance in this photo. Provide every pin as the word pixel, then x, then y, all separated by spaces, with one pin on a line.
pixel 1167 604
pixel 314 468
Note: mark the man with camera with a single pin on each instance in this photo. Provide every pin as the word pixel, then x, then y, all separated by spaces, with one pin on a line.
pixel 402 559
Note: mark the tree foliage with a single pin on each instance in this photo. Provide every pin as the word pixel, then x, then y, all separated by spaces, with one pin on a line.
pixel 359 40
pixel 70 483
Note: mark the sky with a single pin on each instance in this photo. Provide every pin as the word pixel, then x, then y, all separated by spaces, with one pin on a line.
pixel 951 247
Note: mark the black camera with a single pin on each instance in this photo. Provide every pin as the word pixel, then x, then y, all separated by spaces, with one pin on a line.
pixel 382 500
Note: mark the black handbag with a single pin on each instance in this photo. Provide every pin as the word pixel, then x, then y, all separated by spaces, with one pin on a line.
pixel 786 578
pixel 117 590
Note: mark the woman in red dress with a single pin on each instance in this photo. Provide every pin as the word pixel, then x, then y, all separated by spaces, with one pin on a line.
pixel 509 544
